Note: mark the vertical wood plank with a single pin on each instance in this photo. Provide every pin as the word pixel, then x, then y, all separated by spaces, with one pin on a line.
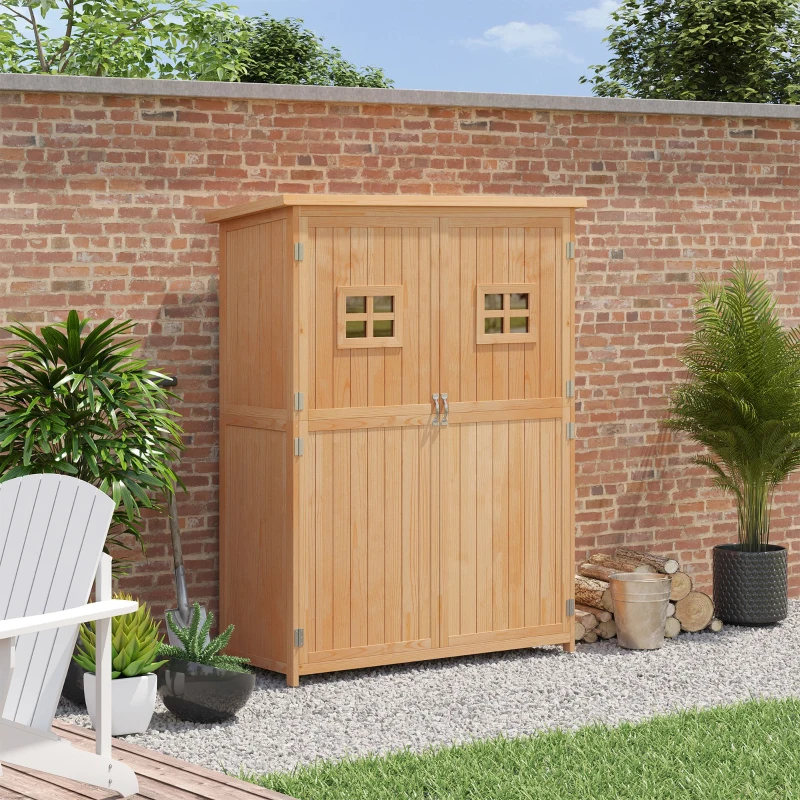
pixel 548 476
pixel 548 316
pixel 499 351
pixel 341 358
pixel 516 524
pixel 468 281
pixel 485 359
pixel 516 352
pixel 375 277
pixel 532 275
pixel 376 472
pixel 410 533
pixel 324 545
pixel 341 538
pixel 449 446
pixel 468 529
pixel 484 522
pixel 500 524
pixel 325 329
pixel 313 468
pixel 533 529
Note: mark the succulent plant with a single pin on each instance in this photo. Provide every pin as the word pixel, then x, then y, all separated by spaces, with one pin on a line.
pixel 195 648
pixel 135 643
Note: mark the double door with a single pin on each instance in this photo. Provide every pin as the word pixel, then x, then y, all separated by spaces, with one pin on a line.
pixel 436 461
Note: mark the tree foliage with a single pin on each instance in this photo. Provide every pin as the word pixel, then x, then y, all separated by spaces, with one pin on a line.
pixel 185 39
pixel 713 50
pixel 742 397
pixel 77 402
pixel 282 51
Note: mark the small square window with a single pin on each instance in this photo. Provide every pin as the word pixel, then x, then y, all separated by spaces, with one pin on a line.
pixel 383 328
pixel 493 325
pixel 368 316
pixel 356 329
pixel 356 305
pixel 519 300
pixel 505 313
pixel 493 302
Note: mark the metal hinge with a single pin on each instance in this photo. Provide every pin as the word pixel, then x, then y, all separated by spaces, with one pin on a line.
pixel 570 430
pixel 298 251
pixel 298 446
pixel 299 637
pixel 570 249
pixel 571 607
pixel 298 401
pixel 570 388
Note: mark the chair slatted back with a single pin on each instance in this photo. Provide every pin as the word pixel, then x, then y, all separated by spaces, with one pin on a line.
pixel 52 532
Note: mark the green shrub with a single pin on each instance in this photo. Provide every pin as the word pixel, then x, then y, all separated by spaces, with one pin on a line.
pixel 135 643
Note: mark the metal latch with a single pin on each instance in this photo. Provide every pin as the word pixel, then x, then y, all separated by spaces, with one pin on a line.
pixel 299 637
pixel 570 430
pixel 298 251
pixel 570 249
pixel 571 607
pixel 298 401
pixel 298 446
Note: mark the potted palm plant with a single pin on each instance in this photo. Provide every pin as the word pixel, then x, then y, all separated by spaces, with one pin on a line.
pixel 199 683
pixel 742 403
pixel 74 399
pixel 135 643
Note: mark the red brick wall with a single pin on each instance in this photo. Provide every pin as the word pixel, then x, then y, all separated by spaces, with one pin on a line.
pixel 101 209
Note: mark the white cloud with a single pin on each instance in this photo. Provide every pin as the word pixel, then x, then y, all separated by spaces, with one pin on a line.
pixel 597 17
pixel 537 40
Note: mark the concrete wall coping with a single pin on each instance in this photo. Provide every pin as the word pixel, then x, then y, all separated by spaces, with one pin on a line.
pixel 78 84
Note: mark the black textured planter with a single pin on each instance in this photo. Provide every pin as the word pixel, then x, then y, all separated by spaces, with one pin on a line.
pixel 73 684
pixel 197 693
pixel 750 588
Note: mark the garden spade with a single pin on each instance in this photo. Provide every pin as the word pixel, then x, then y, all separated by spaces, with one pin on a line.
pixel 182 615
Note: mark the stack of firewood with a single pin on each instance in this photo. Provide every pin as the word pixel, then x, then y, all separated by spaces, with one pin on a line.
pixel 688 610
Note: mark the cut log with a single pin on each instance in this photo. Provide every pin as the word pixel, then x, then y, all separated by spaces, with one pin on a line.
pixel 580 631
pixel 681 586
pixel 695 611
pixel 670 609
pixel 601 614
pixel 619 564
pixel 716 625
pixel 606 630
pixel 587 619
pixel 592 592
pixel 590 637
pixel 597 571
pixel 672 628
pixel 661 563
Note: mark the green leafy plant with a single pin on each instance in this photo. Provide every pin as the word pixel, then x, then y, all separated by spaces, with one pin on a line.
pixel 186 39
pixel 75 401
pixel 283 51
pixel 714 50
pixel 195 648
pixel 742 397
pixel 135 643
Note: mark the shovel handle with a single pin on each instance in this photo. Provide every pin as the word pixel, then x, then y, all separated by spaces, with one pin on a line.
pixel 175 532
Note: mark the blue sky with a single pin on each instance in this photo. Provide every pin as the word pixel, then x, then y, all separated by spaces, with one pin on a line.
pixel 521 46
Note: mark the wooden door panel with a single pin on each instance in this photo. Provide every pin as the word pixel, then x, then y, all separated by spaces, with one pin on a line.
pixel 369 542
pixel 377 252
pixel 473 253
pixel 502 529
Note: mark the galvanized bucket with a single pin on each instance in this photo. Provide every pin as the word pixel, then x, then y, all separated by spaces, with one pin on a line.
pixel 640 608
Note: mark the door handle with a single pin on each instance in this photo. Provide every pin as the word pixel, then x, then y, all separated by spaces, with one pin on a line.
pixel 436 404
pixel 446 410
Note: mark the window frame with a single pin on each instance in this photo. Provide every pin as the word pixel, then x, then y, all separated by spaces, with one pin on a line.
pixel 370 340
pixel 506 313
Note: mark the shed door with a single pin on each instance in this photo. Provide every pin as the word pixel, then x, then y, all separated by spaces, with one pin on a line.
pixel 505 332
pixel 373 356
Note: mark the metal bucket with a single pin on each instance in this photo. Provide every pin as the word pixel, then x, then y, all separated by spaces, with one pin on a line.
pixel 640 608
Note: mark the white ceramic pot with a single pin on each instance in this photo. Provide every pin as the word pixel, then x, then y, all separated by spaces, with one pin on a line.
pixel 133 701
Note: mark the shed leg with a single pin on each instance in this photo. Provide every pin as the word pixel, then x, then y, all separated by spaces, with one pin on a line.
pixel 292 679
pixel 569 647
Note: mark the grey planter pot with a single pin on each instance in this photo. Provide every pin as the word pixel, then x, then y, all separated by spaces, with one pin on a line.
pixel 750 588
pixel 197 693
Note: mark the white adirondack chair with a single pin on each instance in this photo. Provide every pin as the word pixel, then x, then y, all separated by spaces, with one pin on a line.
pixel 52 530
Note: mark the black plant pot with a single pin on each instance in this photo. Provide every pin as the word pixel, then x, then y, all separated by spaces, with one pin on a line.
pixel 750 588
pixel 73 683
pixel 197 693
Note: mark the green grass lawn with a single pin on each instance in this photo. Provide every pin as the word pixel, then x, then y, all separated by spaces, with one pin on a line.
pixel 749 751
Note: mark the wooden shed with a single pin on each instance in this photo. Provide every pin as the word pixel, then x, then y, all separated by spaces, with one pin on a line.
pixel 396 425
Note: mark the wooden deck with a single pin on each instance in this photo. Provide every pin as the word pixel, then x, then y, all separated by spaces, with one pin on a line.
pixel 160 777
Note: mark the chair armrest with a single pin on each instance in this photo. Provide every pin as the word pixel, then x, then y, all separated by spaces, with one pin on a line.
pixel 60 619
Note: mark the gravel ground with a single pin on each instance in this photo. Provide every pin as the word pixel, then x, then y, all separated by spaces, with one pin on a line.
pixel 477 697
